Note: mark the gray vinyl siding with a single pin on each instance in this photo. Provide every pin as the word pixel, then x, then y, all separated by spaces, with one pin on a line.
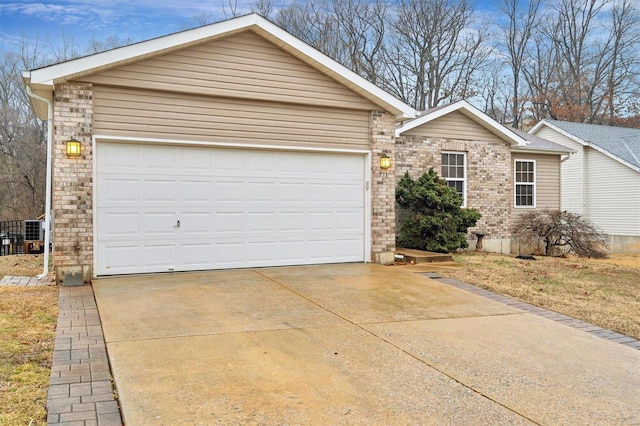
pixel 158 115
pixel 243 66
pixel 547 182
pixel 454 125
pixel 613 196
pixel 572 194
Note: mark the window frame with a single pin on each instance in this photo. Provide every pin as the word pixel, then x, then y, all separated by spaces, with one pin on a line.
pixel 464 170
pixel 533 184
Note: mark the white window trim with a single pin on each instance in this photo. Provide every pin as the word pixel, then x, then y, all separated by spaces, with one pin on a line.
pixel 464 180
pixel 534 184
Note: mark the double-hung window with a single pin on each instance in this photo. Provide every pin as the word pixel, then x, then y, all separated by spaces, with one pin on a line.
pixel 525 183
pixel 454 172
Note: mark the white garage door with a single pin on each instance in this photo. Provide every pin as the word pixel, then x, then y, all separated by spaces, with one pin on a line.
pixel 171 208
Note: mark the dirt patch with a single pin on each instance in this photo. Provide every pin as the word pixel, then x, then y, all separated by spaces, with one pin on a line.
pixel 604 292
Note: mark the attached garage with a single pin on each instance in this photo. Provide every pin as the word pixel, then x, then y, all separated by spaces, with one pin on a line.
pixel 175 208
pixel 231 145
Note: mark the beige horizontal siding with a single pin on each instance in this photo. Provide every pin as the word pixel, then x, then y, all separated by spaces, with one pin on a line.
pixel 572 171
pixel 244 66
pixel 547 182
pixel 454 125
pixel 147 114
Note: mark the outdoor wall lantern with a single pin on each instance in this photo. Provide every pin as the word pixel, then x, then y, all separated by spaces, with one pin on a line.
pixel 73 148
pixel 385 164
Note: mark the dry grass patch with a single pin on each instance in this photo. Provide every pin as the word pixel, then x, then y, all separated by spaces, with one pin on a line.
pixel 604 292
pixel 27 330
pixel 25 265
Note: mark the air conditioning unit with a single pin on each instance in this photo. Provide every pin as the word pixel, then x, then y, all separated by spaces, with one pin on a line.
pixel 33 230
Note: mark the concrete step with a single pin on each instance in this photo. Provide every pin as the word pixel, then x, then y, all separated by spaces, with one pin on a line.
pixel 419 256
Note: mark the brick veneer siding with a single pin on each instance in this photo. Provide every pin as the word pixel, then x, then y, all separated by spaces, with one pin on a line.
pixel 73 184
pixel 489 176
pixel 383 216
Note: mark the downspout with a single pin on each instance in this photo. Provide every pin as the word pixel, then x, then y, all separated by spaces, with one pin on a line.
pixel 47 216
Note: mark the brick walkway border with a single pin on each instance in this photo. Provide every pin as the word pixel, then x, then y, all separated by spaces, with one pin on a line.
pixel 555 316
pixel 24 281
pixel 81 392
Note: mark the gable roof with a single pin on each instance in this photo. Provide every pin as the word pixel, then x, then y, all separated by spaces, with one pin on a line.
pixel 619 143
pixel 472 113
pixel 42 80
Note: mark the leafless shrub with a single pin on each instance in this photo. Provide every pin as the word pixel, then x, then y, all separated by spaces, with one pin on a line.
pixel 561 233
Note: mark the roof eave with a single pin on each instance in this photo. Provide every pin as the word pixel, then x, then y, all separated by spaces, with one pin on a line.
pixel 39 107
pixel 529 150
pixel 472 113
pixel 73 69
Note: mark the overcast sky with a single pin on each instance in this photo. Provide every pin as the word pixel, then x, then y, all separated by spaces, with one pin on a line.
pixel 82 20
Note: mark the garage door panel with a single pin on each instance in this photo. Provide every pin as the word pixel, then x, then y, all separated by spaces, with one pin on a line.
pixel 121 224
pixel 196 254
pixel 196 191
pixel 229 223
pixel 118 190
pixel 121 258
pixel 158 257
pixel 345 247
pixel 158 159
pixel 236 208
pixel 293 221
pixel 229 191
pixel 262 223
pixel 349 221
pixel 196 223
pixel 157 224
pixel 158 190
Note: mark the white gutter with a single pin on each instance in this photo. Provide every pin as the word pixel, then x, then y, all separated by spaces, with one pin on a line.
pixel 47 216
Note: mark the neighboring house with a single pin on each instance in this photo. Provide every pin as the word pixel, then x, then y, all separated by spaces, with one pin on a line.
pixel 225 146
pixel 497 170
pixel 601 181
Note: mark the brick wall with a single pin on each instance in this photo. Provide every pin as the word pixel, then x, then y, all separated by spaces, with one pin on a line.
pixel 72 184
pixel 489 176
pixel 383 221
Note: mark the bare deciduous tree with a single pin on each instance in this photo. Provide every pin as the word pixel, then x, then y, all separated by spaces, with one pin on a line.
pixel 437 49
pixel 522 20
pixel 561 232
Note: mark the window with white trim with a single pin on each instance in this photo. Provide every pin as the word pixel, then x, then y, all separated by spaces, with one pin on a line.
pixel 454 171
pixel 525 183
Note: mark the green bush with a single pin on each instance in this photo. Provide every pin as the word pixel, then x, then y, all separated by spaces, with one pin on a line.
pixel 433 218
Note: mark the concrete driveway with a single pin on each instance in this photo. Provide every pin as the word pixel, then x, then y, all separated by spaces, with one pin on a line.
pixel 350 344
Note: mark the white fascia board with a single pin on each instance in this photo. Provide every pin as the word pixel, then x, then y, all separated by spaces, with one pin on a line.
pixel 613 157
pixel 339 72
pixel 88 64
pixel 584 143
pixel 482 119
pixel 101 61
pixel 535 129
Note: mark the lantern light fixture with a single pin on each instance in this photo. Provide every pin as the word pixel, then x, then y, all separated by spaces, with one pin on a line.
pixel 385 164
pixel 73 147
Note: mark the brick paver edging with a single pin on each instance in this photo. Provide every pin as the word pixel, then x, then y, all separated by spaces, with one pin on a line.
pixel 555 316
pixel 80 391
pixel 25 281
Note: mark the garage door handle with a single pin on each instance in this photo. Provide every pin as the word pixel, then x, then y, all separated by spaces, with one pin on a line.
pixel 178 224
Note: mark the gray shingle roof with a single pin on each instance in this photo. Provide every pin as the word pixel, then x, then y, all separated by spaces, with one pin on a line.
pixel 621 142
pixel 537 143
